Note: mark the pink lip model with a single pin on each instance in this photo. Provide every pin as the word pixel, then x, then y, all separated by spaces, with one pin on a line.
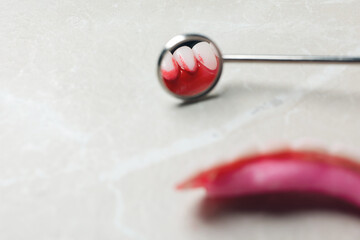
pixel 287 170
pixel 190 71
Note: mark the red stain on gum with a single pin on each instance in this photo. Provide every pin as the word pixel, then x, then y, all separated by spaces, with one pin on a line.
pixel 192 83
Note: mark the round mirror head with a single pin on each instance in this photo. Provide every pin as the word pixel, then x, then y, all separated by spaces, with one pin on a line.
pixel 189 66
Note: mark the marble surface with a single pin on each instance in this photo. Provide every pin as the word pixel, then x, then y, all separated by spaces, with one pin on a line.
pixel 91 146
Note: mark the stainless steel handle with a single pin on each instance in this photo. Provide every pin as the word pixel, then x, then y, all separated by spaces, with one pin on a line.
pixel 290 58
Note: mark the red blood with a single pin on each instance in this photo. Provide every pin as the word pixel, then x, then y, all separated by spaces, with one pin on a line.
pixel 190 84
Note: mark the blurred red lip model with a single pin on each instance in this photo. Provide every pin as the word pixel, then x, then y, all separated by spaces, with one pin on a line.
pixel 287 170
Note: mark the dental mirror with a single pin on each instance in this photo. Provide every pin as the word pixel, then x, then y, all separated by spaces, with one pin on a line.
pixel 190 65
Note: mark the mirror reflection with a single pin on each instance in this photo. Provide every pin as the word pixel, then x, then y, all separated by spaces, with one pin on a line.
pixel 190 69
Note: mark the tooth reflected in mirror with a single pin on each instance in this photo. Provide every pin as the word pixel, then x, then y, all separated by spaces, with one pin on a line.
pixel 191 67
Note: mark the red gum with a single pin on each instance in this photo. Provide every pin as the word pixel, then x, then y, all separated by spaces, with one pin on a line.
pixel 192 83
pixel 282 171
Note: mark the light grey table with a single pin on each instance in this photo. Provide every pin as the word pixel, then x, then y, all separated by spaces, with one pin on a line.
pixel 91 146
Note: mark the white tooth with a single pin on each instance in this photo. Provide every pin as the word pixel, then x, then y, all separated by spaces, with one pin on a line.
pixel 185 58
pixel 167 63
pixel 205 55
pixel 213 48
pixel 169 67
